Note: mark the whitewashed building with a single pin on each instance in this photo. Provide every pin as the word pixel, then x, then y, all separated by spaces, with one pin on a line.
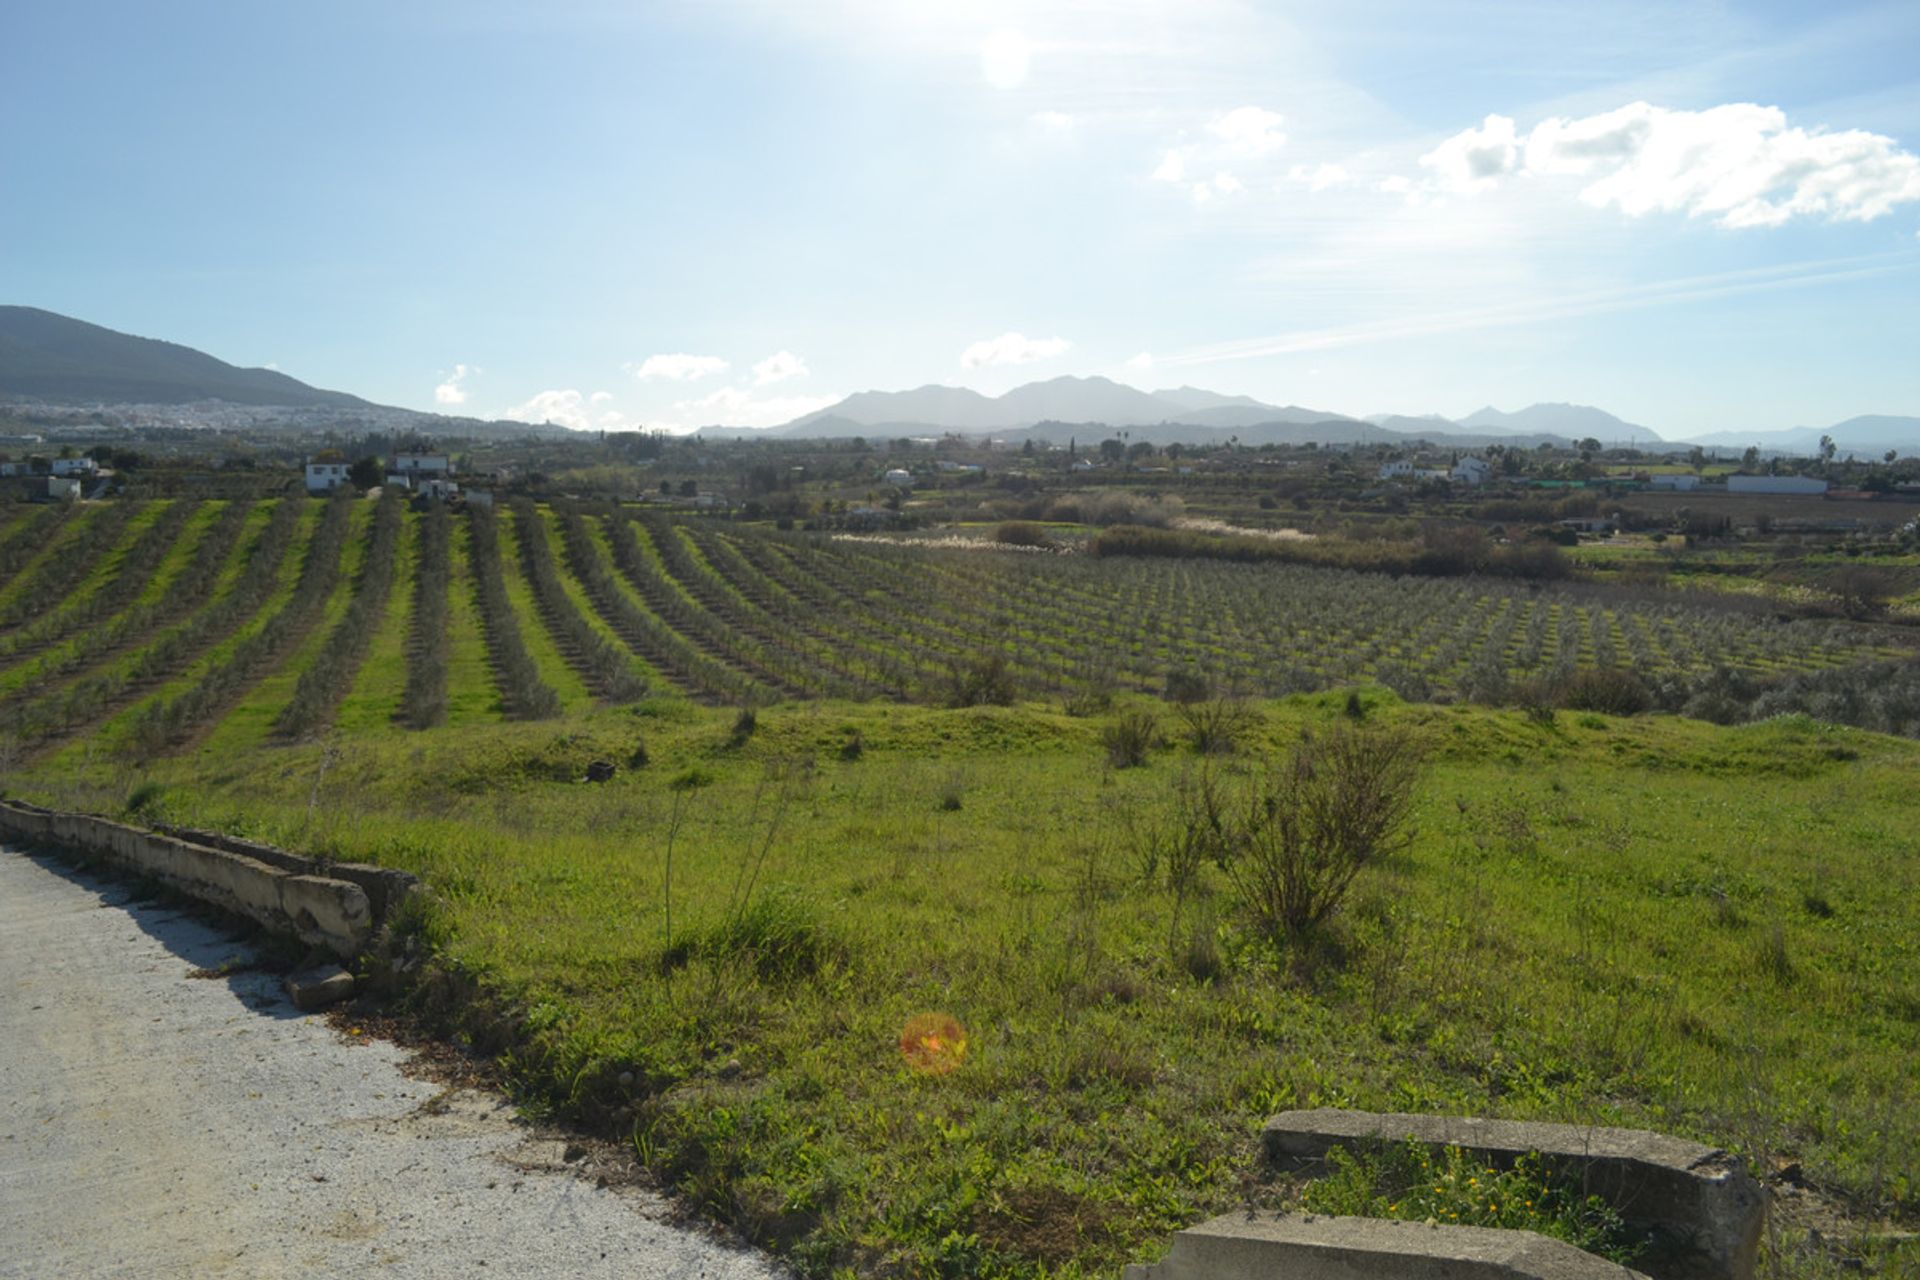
pixel 325 477
pixel 1471 471
pixel 420 466
pixel 74 467
pixel 1674 480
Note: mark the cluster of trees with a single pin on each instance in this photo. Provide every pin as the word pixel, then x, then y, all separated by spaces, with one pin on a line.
pixel 606 669
pixel 424 704
pixel 164 725
pixel 523 694
pixel 1438 552
pixel 326 680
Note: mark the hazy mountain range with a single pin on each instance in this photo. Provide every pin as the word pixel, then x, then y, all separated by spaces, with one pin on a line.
pixel 49 357
pixel 1085 408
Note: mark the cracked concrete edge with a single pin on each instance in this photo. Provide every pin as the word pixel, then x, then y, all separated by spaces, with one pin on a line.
pixel 1709 1213
pixel 287 897
pixel 1261 1244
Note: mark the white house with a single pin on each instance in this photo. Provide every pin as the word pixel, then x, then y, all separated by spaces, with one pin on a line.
pixel 898 477
pixel 438 489
pixel 62 489
pixel 1677 480
pixel 16 468
pixel 1776 484
pixel 75 466
pixel 1472 471
pixel 1399 468
pixel 325 477
pixel 421 466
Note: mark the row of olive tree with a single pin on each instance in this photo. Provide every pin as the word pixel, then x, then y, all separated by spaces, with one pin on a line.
pixel 167 724
pixel 87 610
pixel 429 641
pixel 330 674
pixel 606 668
pixel 523 694
pixel 68 566
pixel 62 709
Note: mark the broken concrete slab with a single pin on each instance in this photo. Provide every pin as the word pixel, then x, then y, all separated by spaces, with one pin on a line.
pixel 1704 1212
pixel 1264 1245
pixel 318 987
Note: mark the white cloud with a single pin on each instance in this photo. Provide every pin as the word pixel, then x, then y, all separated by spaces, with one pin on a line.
pixel 1740 164
pixel 600 397
pixel 742 407
pixel 1475 158
pixel 1012 348
pixel 778 367
pixel 680 367
pixel 1250 130
pixel 1173 167
pixel 562 408
pixel 450 392
pixel 1321 177
pixel 1005 57
pixel 1226 184
pixel 1055 124
pixel 1144 360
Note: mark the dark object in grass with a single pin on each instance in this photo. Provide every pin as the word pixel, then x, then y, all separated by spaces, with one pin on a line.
pixel 600 771
pixel 853 747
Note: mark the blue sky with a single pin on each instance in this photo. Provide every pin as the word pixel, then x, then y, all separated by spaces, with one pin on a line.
pixel 1698 216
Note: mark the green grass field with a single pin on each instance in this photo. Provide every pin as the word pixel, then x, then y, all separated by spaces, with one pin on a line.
pixel 1649 922
pixel 1712 931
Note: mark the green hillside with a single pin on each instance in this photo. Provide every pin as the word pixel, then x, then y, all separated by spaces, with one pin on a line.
pixel 44 356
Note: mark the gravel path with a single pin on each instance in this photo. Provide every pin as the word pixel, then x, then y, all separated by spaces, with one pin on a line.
pixel 153 1125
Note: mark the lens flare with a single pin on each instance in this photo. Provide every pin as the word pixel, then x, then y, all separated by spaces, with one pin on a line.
pixel 933 1043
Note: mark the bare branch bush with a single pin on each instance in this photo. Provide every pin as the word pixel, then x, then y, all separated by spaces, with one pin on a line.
pixel 1340 801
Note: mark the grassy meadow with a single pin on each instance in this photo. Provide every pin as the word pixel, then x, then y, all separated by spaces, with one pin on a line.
pixel 1656 922
pixel 1643 920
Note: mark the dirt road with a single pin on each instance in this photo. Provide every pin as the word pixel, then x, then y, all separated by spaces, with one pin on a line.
pixel 157 1125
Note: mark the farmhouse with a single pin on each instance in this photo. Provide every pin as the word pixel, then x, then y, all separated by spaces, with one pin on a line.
pixel 75 467
pixel 1472 471
pixel 63 489
pixel 899 478
pixel 325 477
pixel 1675 480
pixel 421 466
pixel 1775 484
pixel 1398 469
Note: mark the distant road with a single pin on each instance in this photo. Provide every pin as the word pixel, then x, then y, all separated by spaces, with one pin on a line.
pixel 154 1125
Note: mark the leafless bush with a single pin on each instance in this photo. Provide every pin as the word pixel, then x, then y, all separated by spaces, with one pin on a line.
pixel 1129 738
pixel 1341 800
pixel 1215 726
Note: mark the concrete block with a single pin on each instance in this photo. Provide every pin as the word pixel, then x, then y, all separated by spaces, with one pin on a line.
pixel 1703 1210
pixel 319 987
pixel 1264 1245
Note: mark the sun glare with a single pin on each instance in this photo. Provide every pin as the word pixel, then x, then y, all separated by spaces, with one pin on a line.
pixel 1004 59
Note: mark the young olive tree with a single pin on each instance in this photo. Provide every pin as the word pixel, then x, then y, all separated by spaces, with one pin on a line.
pixel 1340 800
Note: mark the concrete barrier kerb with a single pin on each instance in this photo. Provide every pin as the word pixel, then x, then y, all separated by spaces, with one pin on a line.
pixel 1265 1245
pixel 1704 1213
pixel 335 906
